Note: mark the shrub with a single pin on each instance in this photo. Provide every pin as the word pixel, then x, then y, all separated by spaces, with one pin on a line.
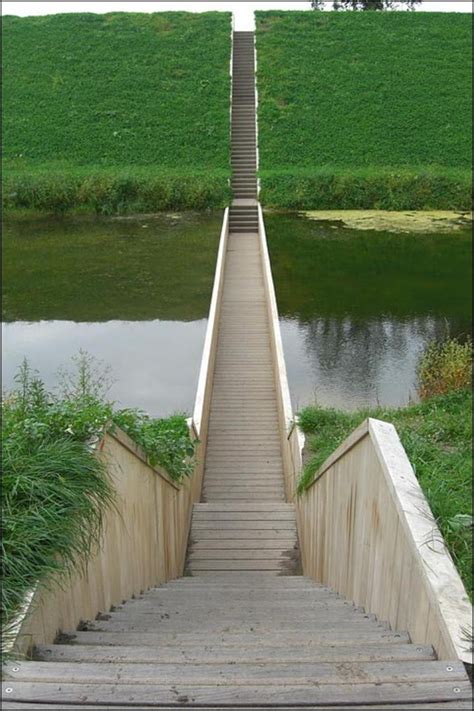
pixel 445 367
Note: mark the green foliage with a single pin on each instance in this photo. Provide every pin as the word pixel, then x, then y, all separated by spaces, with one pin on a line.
pixel 445 367
pixel 117 112
pixel 376 188
pixel 166 442
pixel 108 191
pixel 368 4
pixel 364 109
pixel 55 490
pixel 437 437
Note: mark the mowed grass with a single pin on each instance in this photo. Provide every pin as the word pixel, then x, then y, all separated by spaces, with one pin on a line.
pixel 437 437
pixel 117 112
pixel 365 110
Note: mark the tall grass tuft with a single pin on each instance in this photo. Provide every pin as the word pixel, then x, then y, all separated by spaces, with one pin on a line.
pixel 445 367
pixel 54 498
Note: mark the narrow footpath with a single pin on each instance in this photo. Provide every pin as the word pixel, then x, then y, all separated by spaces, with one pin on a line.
pixel 245 524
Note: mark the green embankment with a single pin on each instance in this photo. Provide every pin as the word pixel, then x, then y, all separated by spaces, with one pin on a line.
pixel 117 112
pixel 365 110
pixel 437 437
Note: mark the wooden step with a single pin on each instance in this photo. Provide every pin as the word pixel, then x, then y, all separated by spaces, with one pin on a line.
pixel 374 693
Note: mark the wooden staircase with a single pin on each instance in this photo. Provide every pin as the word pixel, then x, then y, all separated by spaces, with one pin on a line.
pixel 243 524
pixel 244 629
pixel 233 640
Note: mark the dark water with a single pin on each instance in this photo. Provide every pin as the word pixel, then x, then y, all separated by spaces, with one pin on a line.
pixel 358 307
pixel 134 293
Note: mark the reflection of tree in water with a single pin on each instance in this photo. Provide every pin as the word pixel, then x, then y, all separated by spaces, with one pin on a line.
pixel 368 359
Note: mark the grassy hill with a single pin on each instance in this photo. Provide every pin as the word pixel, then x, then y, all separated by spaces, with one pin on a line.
pixel 365 110
pixel 121 111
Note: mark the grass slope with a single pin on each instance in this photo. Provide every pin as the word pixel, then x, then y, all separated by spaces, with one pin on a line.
pixel 437 437
pixel 365 110
pixel 118 111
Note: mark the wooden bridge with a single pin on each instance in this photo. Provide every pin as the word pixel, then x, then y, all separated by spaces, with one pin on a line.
pixel 377 619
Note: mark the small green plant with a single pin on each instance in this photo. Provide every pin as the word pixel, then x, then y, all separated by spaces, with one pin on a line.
pixel 445 367
pixel 166 441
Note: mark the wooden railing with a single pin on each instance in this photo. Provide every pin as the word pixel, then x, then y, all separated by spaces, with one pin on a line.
pixel 291 438
pixel 145 536
pixel 206 374
pixel 367 531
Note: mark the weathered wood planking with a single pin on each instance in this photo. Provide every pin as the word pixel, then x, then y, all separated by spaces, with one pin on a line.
pixel 249 695
pixel 367 531
pixel 283 674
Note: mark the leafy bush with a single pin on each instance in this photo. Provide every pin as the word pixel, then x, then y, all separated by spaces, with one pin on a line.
pixel 445 367
pixel 166 442
pixel 366 188
pixel 114 191
pixel 54 489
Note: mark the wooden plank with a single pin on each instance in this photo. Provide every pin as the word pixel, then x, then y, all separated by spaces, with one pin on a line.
pixel 135 694
pixel 262 625
pixel 196 566
pixel 241 545
pixel 280 525
pixel 236 554
pixel 230 533
pixel 274 639
pixel 281 675
pixel 415 707
pixel 202 516
pixel 211 653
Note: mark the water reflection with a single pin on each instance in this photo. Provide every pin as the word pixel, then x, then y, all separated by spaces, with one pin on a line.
pixel 358 308
pixel 156 363
pixel 132 291
pixel 349 365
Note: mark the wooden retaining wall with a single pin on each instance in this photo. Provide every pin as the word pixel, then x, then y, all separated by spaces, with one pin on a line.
pixel 367 531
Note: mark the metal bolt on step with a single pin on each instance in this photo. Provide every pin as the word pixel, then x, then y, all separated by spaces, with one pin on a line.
pixel 457 690
pixel 449 668
pixel 8 690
